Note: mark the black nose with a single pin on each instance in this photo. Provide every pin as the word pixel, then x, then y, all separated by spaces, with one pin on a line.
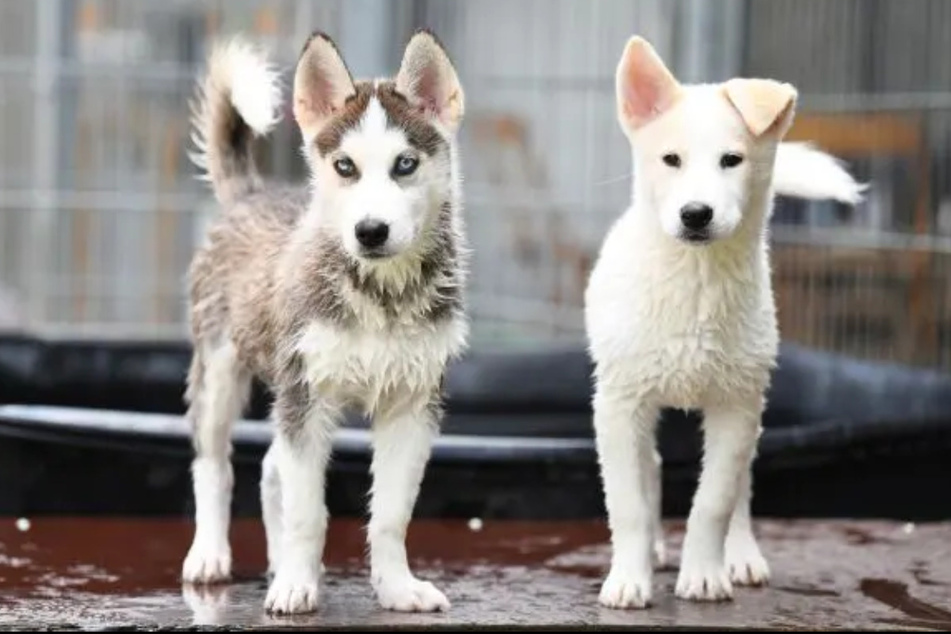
pixel 372 233
pixel 696 216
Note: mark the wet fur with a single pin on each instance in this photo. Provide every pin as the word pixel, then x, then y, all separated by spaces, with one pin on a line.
pixel 274 294
pixel 691 325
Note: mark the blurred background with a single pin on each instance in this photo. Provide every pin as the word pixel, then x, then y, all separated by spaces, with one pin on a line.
pixel 100 210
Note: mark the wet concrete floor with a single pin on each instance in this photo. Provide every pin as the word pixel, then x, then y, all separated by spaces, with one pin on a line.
pixel 109 573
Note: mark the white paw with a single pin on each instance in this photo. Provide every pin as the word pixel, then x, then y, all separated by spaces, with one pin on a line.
pixel 704 582
pixel 293 591
pixel 660 553
pixel 624 590
pixel 411 595
pixel 746 564
pixel 207 563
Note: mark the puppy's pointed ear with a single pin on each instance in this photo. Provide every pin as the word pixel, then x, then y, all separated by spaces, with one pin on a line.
pixel 429 82
pixel 322 83
pixel 764 104
pixel 645 88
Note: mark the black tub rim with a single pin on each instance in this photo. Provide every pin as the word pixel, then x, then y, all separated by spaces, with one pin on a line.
pixel 159 433
pixel 98 427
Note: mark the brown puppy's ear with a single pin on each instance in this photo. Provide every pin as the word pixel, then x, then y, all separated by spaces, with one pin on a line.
pixel 644 87
pixel 429 82
pixel 764 104
pixel 322 83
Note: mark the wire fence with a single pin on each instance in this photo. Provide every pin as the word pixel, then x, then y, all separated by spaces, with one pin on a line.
pixel 99 210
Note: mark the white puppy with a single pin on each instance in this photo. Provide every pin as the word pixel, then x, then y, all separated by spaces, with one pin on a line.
pixel 680 312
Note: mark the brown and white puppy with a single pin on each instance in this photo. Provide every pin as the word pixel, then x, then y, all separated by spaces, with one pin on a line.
pixel 345 292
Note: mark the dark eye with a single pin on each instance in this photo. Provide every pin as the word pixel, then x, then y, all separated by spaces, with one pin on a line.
pixel 405 165
pixel 671 160
pixel 730 159
pixel 345 167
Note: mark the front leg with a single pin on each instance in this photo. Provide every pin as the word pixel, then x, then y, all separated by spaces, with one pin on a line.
pixel 730 435
pixel 744 561
pixel 401 450
pixel 655 492
pixel 624 437
pixel 302 448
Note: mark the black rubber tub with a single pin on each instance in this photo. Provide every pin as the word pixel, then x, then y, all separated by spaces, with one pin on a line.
pixel 96 428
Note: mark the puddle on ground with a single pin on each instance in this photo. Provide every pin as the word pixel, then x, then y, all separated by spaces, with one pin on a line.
pixel 895 595
pixel 98 573
pixel 808 591
pixel 922 574
pixel 861 536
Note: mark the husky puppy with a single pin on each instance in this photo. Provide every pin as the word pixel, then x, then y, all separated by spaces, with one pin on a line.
pixel 679 312
pixel 344 292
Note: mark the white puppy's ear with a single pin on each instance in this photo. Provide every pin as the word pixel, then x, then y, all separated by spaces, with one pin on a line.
pixel 645 88
pixel 429 82
pixel 322 84
pixel 764 104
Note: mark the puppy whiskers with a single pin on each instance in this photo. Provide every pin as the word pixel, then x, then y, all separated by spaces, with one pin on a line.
pixel 611 181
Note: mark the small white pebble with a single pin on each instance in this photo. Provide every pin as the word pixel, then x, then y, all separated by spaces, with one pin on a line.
pixel 23 525
pixel 475 524
pixel 908 528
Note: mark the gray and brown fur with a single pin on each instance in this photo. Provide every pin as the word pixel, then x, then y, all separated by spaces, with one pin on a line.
pixel 253 285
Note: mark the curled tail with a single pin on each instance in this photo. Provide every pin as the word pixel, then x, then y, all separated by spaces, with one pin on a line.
pixel 237 100
pixel 806 172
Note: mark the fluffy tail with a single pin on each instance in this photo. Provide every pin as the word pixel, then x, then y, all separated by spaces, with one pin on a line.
pixel 805 172
pixel 237 100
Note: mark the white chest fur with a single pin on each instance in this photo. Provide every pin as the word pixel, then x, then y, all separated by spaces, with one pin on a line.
pixel 681 326
pixel 381 371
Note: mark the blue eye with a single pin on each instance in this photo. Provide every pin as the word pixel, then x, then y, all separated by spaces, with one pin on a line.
pixel 345 167
pixel 405 165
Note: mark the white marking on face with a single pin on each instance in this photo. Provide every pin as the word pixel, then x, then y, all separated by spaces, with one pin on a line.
pixel 377 199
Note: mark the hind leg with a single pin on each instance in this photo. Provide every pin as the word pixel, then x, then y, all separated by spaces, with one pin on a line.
pixel 218 391
pixel 271 508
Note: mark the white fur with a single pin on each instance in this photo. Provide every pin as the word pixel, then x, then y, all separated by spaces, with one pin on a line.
pixel 405 204
pixel 301 467
pixel 805 172
pixel 390 375
pixel 676 324
pixel 239 76
pixel 255 86
pixel 271 508
pixel 378 370
pixel 225 391
pixel 699 179
pixel 401 447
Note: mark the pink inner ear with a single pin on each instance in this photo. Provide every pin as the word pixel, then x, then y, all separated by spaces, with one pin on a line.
pixel 427 91
pixel 647 90
pixel 642 99
pixel 324 95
